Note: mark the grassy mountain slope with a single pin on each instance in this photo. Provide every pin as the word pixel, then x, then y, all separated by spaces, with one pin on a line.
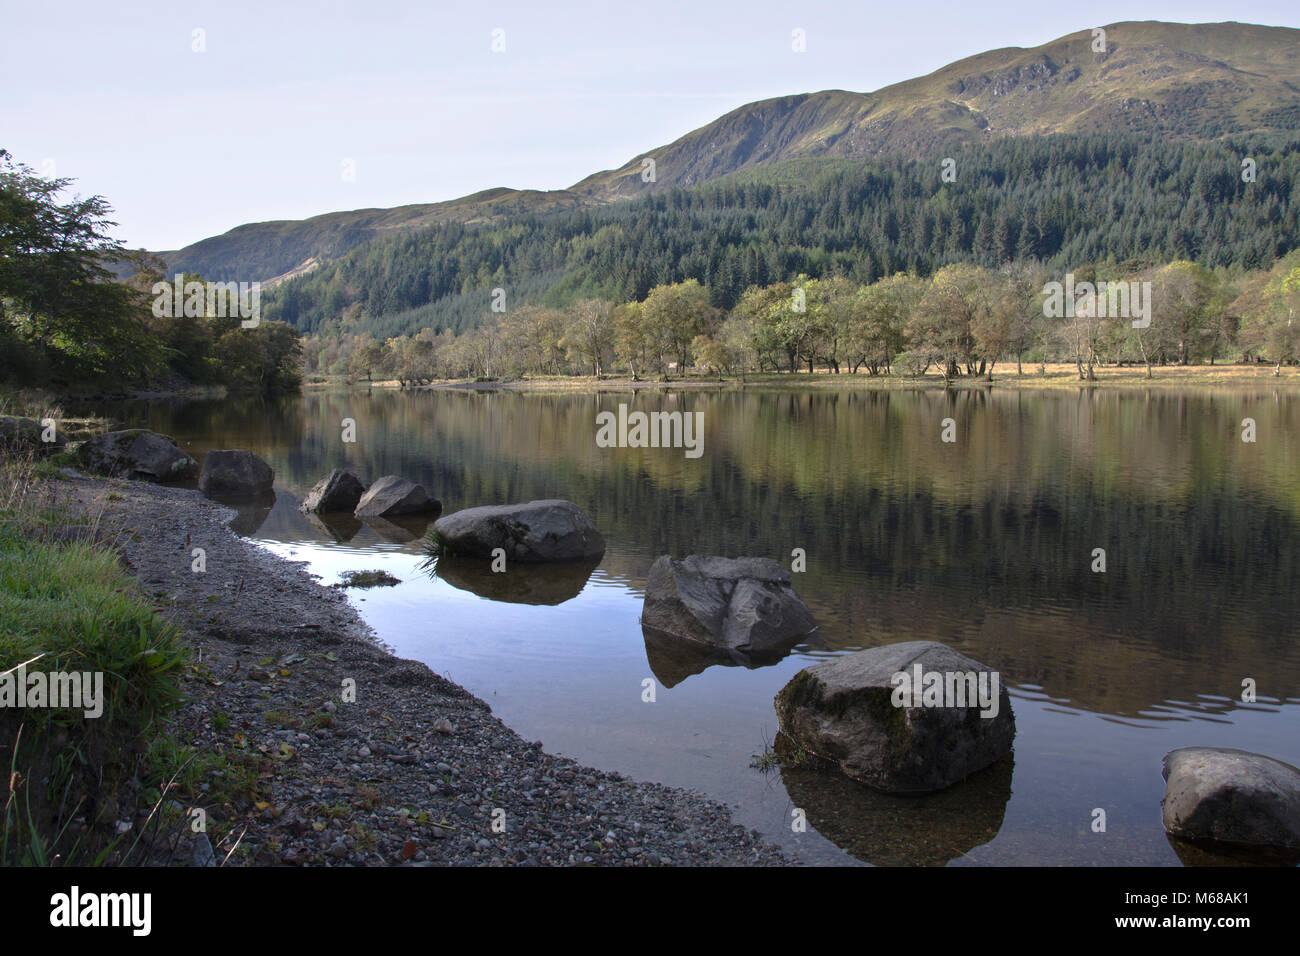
pixel 1165 80
pixel 268 250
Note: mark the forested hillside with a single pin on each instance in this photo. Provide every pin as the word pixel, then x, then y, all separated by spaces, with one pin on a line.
pixel 1062 201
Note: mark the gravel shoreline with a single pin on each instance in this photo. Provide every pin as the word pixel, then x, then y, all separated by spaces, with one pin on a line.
pixel 416 771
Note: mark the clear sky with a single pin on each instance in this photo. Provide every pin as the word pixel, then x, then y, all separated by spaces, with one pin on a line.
pixel 260 124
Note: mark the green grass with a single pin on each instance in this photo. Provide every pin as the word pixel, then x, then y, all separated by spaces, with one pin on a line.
pixel 70 606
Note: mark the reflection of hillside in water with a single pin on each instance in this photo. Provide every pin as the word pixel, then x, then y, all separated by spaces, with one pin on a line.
pixel 985 545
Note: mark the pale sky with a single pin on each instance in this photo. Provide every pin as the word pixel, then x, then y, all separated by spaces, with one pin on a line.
pixel 259 125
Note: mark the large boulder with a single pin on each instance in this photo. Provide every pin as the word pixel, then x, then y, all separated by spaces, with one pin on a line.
pixel 1232 796
pixel 391 496
pixel 549 530
pixel 733 604
pixel 904 718
pixel 235 475
pixel 138 454
pixel 338 491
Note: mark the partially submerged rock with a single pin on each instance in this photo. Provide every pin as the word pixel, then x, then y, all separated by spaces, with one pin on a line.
pixel 733 604
pixel 855 713
pixel 391 496
pixel 338 491
pixel 235 475
pixel 548 530
pixel 138 454
pixel 1232 796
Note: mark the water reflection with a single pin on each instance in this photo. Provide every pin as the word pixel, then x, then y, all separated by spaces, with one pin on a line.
pixel 673 659
pixel 338 527
pixel 250 515
pixel 400 530
pixel 519 583
pixel 1210 853
pixel 891 830
pixel 985 545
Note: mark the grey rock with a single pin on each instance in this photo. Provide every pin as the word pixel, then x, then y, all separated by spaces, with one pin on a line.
pixel 1231 796
pixel 843 712
pixel 138 454
pixel 735 604
pixel 547 530
pixel 338 491
pixel 391 496
pixel 235 474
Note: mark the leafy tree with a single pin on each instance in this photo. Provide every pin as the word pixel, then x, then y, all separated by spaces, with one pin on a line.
pixel 590 333
pixel 1181 295
pixel 711 354
pixel 942 328
pixel 58 294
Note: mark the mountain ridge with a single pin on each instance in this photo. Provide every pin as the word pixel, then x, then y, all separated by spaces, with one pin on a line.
pixel 1196 81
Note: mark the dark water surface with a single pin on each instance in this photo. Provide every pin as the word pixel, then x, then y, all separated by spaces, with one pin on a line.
pixel 985 544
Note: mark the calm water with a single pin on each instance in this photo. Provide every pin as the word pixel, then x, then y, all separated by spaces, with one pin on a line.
pixel 985 544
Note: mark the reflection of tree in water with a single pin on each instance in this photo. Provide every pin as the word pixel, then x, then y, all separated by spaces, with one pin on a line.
pixel 985 544
pixel 890 830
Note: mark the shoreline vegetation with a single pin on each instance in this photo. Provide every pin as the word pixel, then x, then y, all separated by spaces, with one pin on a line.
pixel 1055 375
pixel 68 324
pixel 230 737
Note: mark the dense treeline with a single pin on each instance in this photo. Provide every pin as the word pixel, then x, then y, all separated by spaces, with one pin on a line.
pixel 1058 201
pixel 962 321
pixel 66 321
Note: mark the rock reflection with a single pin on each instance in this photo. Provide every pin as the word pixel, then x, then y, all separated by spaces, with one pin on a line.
pixel 890 830
pixel 401 530
pixel 520 583
pixel 341 528
pixel 250 515
pixel 1209 853
pixel 673 659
